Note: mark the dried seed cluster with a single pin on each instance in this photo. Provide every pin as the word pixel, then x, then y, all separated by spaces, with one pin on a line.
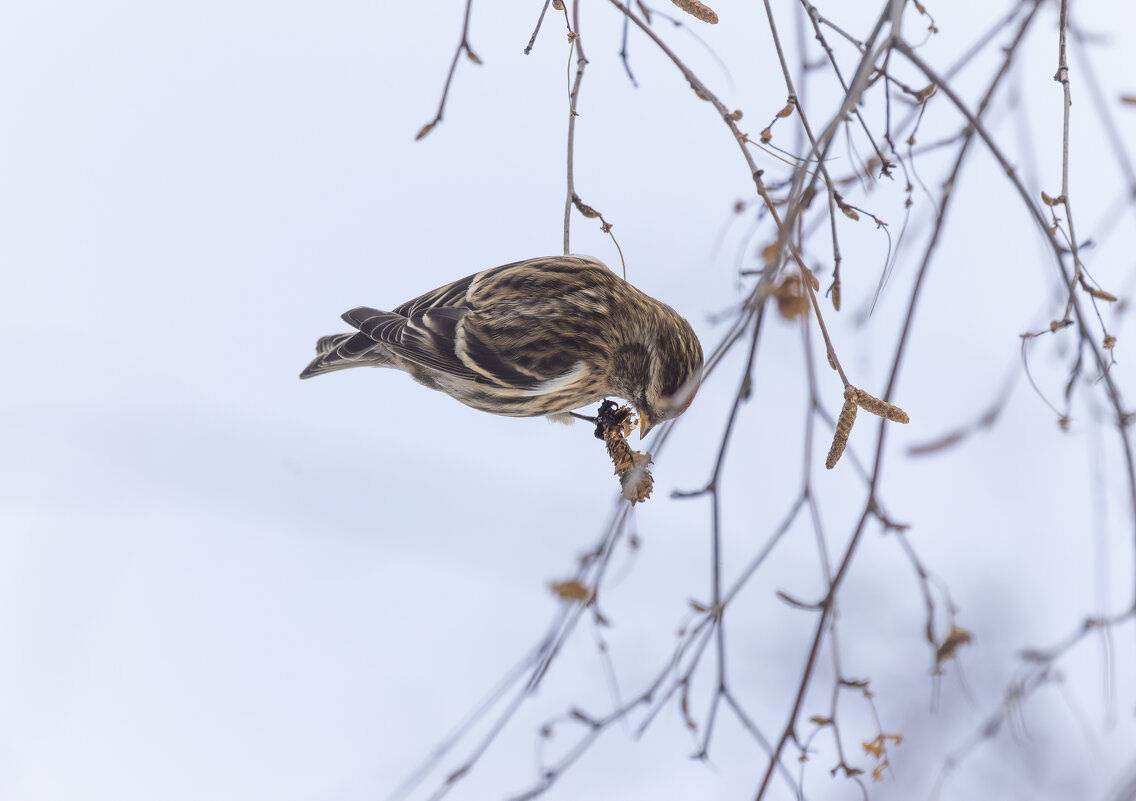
pixel 613 426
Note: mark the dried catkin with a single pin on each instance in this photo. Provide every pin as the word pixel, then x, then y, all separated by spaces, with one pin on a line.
pixel 697 9
pixel 884 409
pixel 630 465
pixel 843 427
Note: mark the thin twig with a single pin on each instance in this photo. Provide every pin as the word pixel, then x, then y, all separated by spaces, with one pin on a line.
pixel 536 30
pixel 573 98
pixel 463 45
pixel 742 139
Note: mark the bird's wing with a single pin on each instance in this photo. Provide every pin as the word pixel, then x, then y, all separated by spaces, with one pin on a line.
pixel 449 296
pixel 467 330
pixel 451 341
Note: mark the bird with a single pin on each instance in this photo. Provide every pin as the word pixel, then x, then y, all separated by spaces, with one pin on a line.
pixel 539 337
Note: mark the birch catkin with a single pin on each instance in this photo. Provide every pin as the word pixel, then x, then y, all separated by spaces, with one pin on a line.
pixel 697 9
pixel 843 427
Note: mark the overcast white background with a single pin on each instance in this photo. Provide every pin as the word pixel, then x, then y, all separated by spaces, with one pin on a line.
pixel 217 581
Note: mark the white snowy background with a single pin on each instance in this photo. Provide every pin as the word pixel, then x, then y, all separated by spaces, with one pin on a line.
pixel 219 582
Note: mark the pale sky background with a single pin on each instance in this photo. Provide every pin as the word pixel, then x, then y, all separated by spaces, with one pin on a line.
pixel 219 582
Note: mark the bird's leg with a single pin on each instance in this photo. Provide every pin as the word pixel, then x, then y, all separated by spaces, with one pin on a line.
pixel 605 418
pixel 598 421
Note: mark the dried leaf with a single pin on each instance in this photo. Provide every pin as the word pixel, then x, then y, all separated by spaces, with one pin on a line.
pixel 877 748
pixel 771 253
pixel 955 639
pixel 584 208
pixel 571 590
pixel 844 207
pixel 791 300
pixel 1100 294
pixel 926 92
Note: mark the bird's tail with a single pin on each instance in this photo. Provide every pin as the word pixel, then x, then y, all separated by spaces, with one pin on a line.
pixel 340 351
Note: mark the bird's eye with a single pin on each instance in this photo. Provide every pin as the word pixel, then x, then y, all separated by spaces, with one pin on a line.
pixel 680 401
pixel 684 403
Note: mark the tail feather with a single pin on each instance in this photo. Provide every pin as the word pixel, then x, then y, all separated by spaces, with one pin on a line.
pixel 340 351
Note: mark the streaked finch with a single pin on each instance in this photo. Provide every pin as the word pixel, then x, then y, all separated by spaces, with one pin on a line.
pixel 536 337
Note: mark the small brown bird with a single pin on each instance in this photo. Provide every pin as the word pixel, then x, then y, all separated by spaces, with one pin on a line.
pixel 536 337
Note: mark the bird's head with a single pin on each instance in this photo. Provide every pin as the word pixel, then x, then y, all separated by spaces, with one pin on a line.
pixel 661 374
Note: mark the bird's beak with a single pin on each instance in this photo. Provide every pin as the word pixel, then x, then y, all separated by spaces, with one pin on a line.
pixel 645 424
